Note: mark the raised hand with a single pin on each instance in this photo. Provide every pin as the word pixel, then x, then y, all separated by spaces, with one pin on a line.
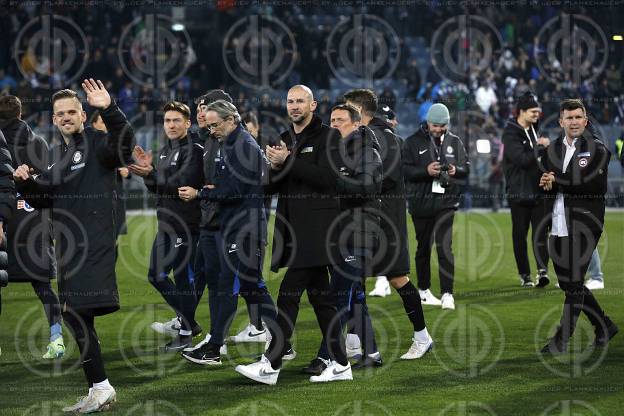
pixel 97 96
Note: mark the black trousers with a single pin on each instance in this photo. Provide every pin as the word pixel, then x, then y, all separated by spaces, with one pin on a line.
pixel 315 281
pixel 523 216
pixel 49 300
pixel 571 257
pixel 438 228
pixel 82 326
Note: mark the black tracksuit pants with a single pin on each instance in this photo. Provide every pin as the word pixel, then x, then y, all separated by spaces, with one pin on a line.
pixel 81 324
pixel 314 280
pixel 523 216
pixel 438 228
pixel 571 257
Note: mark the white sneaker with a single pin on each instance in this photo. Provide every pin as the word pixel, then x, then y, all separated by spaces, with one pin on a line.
pixel 167 328
pixel 353 346
pixel 223 350
pixel 447 301
pixel 382 288
pixel 76 407
pixel 427 298
pixel 333 372
pixel 418 349
pixel 99 400
pixel 250 334
pixel 260 371
pixel 594 284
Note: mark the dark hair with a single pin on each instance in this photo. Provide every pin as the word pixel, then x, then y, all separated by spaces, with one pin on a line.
pixel 62 94
pixel 571 104
pixel 365 98
pixel 179 107
pixel 94 116
pixel 354 114
pixel 250 118
pixel 10 107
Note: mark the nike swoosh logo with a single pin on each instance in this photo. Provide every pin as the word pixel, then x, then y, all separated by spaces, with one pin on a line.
pixel 265 373
pixel 249 334
pixel 421 152
pixel 50 166
pixel 178 245
pixel 339 372
pixel 231 251
pixel 163 156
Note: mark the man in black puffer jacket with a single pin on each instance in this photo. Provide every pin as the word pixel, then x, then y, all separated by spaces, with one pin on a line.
pixel 30 231
pixel 434 164
pixel 521 153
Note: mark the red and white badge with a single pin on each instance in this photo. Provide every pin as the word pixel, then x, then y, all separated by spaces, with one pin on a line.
pixel 582 162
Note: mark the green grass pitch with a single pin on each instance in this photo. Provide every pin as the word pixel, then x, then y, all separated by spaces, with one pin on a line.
pixel 485 360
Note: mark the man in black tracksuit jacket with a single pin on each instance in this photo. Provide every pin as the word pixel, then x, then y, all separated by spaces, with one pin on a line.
pixel 178 163
pixel 30 246
pixel 7 200
pixel 392 252
pixel 521 152
pixel 78 185
pixel 431 204
pixel 575 175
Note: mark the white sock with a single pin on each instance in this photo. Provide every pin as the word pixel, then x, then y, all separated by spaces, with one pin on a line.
pixel 353 340
pixel 422 335
pixel 90 390
pixel 102 385
pixel 382 279
pixel 185 332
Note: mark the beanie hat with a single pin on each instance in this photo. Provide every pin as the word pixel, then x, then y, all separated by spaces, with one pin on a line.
pixel 438 114
pixel 526 101
pixel 212 96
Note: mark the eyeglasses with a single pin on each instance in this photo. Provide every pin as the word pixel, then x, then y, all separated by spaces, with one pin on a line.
pixel 213 126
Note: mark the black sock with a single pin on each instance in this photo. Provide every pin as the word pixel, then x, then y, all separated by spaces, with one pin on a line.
pixel 411 303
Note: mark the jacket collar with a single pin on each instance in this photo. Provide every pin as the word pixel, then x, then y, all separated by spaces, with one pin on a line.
pixel 229 140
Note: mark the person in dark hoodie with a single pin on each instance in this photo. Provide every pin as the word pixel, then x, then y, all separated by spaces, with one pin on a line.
pixel 30 230
pixel 179 163
pixel 575 171
pixel 434 164
pixel 394 255
pixel 522 149
pixel 78 186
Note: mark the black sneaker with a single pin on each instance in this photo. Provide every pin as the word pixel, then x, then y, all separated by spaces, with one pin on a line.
pixel 179 343
pixel 368 362
pixel 525 280
pixel 207 354
pixel 196 330
pixel 542 278
pixel 555 346
pixel 316 366
pixel 605 333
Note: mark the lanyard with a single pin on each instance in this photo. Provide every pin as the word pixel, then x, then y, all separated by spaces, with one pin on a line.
pixel 435 146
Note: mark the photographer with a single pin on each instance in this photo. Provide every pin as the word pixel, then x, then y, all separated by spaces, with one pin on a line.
pixel 434 160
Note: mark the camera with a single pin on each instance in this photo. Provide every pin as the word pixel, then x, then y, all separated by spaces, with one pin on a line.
pixel 444 178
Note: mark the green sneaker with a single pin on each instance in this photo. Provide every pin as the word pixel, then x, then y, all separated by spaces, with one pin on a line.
pixel 56 349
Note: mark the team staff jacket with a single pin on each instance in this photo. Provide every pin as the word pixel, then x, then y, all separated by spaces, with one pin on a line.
pixel 7 187
pixel 179 163
pixel 78 185
pixel 520 164
pixel 358 186
pixel 238 179
pixel 212 155
pixel 419 150
pixel 306 204
pixel 583 185
pixel 29 234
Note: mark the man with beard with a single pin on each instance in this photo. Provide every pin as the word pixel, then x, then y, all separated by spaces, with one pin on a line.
pixel 301 177
pixel 38 269
pixel 522 149
pixel 78 185
pixel 394 261
pixel 575 177
pixel 434 164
